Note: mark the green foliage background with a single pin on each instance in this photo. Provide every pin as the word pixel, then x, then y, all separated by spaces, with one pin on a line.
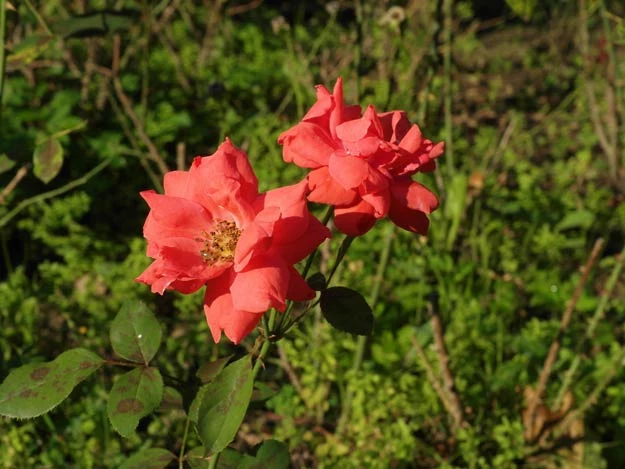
pixel 529 189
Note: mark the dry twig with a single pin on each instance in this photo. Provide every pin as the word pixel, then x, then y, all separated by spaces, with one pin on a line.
pixel 448 379
pixel 10 187
pixel 124 100
pixel 433 380
pixel 536 397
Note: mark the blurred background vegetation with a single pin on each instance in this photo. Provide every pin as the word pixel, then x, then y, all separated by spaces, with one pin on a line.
pixel 100 98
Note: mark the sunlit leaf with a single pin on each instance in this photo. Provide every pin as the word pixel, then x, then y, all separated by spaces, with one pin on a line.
pixel 28 49
pixel 5 163
pixel 578 219
pixel 347 310
pixel 222 404
pixel 134 395
pixel 523 8
pixel 37 388
pixel 47 159
pixel 135 332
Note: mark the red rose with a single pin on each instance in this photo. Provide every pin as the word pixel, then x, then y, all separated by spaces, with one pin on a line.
pixel 213 228
pixel 363 164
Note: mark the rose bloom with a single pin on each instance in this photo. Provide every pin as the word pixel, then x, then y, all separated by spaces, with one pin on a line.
pixel 213 228
pixel 363 164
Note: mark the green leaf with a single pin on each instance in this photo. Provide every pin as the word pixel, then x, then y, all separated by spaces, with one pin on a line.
pixel 209 370
pixel 151 458
pixel 347 310
pixel 523 8
pixel 317 281
pixel 172 399
pixel 37 388
pixel 578 219
pixel 135 333
pixel 28 49
pixel 197 459
pixel 5 163
pixel 78 124
pixel 262 392
pixel 133 396
pixel 47 159
pixel 455 205
pixel 272 454
pixel 94 23
pixel 222 404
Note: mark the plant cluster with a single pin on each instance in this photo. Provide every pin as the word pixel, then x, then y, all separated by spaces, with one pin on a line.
pixel 496 339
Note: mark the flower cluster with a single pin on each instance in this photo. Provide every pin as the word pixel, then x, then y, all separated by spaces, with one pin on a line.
pixel 213 228
pixel 362 163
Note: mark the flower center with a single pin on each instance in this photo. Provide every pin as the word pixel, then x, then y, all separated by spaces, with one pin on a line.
pixel 219 244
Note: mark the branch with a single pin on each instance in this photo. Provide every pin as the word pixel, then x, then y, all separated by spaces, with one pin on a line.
pixel 53 193
pixel 555 344
pixel 21 173
pixel 130 112
pixel 448 379
pixel 433 380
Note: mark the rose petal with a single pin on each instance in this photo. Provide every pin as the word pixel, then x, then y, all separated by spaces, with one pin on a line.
pixel 292 217
pixel 307 145
pixel 253 239
pixel 298 248
pixel 413 195
pixel 408 219
pixel 176 183
pixel 355 220
pixel 325 190
pixel 411 142
pixel 298 288
pixel 336 116
pixel 262 286
pixel 221 315
pixel 395 125
pixel 320 111
pixel 173 217
pixel 349 171
pixel 160 280
pixel 229 162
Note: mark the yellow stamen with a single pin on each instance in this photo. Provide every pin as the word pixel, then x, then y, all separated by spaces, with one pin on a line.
pixel 219 244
